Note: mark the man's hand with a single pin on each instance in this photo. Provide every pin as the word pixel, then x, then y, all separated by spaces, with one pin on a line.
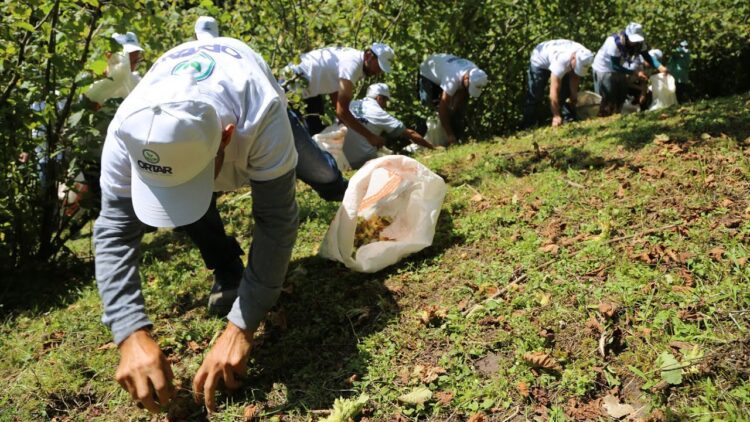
pixel 376 140
pixel 226 359
pixel 144 370
pixel 556 121
pixel 642 75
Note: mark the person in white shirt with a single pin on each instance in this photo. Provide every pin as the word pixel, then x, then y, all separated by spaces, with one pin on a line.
pixel 563 63
pixel 609 71
pixel 207 117
pixel 371 111
pixel 445 83
pixel 206 28
pixel 121 73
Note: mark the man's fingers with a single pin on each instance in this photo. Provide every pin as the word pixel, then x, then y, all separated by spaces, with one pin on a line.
pixel 144 395
pixel 209 392
pixel 198 381
pixel 163 388
pixel 229 380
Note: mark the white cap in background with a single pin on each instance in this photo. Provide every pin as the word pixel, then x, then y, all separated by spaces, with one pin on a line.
pixel 128 41
pixel 634 31
pixel 477 82
pixel 172 143
pixel 656 53
pixel 206 27
pixel 378 89
pixel 384 54
pixel 584 59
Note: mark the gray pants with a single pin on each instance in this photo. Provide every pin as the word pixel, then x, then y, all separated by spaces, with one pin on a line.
pixel 117 238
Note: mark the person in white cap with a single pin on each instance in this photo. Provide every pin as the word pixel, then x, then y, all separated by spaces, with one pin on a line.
pixel 609 71
pixel 121 73
pixel 371 111
pixel 334 71
pixel 446 82
pixel 201 121
pixel 206 28
pixel 563 63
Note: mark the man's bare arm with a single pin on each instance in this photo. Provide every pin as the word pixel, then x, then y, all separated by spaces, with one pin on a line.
pixel 343 99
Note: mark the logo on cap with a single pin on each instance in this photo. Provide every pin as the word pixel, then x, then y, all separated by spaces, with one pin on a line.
pixel 150 156
pixel 200 66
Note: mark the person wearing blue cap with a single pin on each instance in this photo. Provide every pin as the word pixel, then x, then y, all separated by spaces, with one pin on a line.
pixel 609 72
pixel 563 63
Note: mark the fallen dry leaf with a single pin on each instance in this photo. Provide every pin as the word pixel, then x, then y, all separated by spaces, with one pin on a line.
pixel 607 309
pixel 551 248
pixel 477 198
pixel 542 360
pixel 717 253
pixel 432 314
pixel 523 389
pixel 250 412
pixel 614 408
pixel 477 417
pixel 444 397
pixel 193 346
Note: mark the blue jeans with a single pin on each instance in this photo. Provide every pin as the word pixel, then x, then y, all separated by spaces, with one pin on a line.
pixel 316 167
pixel 537 81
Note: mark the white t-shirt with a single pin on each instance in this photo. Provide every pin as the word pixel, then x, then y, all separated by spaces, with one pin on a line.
pixel 324 67
pixel 446 70
pixel 246 94
pixel 603 58
pixel 555 56
pixel 377 121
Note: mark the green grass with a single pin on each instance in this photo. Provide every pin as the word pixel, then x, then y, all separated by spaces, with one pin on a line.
pixel 648 212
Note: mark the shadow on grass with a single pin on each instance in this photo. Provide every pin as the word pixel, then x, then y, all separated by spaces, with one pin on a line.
pixel 39 289
pixel 309 350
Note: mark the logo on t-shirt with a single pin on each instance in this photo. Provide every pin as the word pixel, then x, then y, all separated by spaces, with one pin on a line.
pixel 201 66
pixel 150 156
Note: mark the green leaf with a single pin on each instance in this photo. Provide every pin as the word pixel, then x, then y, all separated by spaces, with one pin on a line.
pixel 418 395
pixel 671 371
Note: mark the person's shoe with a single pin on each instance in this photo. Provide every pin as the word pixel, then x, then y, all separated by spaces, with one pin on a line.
pixel 224 291
pixel 220 300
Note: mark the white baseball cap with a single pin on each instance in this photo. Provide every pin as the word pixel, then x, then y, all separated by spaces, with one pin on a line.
pixel 172 143
pixel 477 81
pixel 128 41
pixel 634 31
pixel 384 54
pixel 656 53
pixel 584 60
pixel 378 89
pixel 206 27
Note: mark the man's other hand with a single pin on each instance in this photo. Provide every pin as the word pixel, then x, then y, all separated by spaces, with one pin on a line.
pixel 144 372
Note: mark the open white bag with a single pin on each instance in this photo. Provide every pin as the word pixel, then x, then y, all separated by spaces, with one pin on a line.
pixel 664 88
pixel 332 140
pixel 394 186
pixel 435 132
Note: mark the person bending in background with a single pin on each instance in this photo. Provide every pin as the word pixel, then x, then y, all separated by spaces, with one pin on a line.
pixel 445 83
pixel 609 73
pixel 371 112
pixel 563 63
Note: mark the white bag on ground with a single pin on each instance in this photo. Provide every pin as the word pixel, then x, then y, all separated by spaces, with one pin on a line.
pixel 588 105
pixel 664 89
pixel 394 187
pixel 332 139
pixel 435 133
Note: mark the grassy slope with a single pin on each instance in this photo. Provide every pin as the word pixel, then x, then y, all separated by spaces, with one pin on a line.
pixel 592 191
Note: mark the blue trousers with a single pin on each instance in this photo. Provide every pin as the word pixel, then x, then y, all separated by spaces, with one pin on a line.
pixel 537 81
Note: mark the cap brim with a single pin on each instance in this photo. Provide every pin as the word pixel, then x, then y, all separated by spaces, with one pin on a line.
pixel 173 206
pixel 129 48
pixel 475 91
pixel 635 38
pixel 581 71
pixel 385 67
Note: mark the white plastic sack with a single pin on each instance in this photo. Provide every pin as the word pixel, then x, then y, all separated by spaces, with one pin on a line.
pixel 395 187
pixel 332 140
pixel 664 89
pixel 588 105
pixel 119 83
pixel 435 132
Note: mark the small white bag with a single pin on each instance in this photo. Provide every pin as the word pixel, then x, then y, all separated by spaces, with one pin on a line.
pixel 396 187
pixel 332 140
pixel 664 88
pixel 435 132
